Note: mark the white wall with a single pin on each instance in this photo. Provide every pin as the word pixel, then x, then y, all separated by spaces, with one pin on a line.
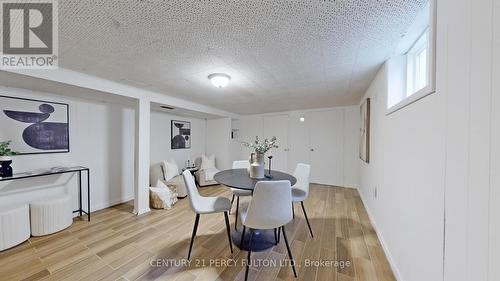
pixel 407 155
pixel 299 142
pixel 494 212
pixel 218 141
pixel 161 136
pixel 472 220
pixel 435 162
pixel 101 138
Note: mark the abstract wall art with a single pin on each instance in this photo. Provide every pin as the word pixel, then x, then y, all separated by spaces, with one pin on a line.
pixel 181 134
pixel 34 126
pixel 364 130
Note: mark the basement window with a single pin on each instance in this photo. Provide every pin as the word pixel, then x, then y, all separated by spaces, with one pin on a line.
pixel 417 61
pixel 411 74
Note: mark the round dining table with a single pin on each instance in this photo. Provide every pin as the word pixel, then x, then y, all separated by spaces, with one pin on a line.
pixel 262 239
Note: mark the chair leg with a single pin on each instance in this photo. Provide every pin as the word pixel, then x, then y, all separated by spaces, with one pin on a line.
pixel 237 210
pixel 293 211
pixel 279 234
pixel 242 236
pixel 232 200
pixel 248 256
pixel 275 236
pixel 228 232
pixel 307 220
pixel 196 220
pixel 289 252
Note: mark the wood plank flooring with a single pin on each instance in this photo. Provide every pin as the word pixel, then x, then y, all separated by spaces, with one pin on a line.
pixel 117 245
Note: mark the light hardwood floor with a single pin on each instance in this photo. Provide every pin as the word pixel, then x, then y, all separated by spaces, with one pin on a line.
pixel 117 245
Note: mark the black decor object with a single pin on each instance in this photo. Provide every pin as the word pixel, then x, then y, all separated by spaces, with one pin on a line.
pixel 35 126
pixel 269 175
pixel 5 169
pixel 181 134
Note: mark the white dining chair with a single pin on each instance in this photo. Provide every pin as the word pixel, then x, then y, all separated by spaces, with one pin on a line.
pixel 300 191
pixel 205 205
pixel 240 164
pixel 268 209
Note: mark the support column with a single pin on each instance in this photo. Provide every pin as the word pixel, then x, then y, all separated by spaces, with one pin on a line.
pixel 142 150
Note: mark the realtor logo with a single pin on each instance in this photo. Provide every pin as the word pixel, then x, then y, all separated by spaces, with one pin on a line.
pixel 29 34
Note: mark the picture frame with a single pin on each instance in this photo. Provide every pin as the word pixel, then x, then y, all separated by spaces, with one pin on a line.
pixel 34 126
pixel 180 133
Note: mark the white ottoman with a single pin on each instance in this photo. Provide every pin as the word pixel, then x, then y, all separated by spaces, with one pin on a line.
pixel 51 215
pixel 14 225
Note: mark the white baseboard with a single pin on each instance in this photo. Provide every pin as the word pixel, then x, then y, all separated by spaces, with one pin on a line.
pixel 388 254
pixel 110 203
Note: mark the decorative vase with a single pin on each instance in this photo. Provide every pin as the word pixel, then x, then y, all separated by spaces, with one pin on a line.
pixel 5 169
pixel 257 166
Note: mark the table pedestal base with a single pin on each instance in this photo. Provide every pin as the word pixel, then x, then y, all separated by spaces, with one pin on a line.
pixel 261 239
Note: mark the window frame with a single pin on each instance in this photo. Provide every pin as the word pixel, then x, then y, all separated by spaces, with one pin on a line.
pixel 431 68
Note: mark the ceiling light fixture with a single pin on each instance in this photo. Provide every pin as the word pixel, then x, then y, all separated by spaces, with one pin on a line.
pixel 219 80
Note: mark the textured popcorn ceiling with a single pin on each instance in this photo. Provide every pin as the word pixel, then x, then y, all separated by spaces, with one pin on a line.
pixel 280 54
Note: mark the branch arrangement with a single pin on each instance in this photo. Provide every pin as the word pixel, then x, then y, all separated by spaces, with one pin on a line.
pixel 261 147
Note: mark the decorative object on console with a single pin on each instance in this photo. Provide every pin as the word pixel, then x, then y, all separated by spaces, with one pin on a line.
pixel 6 159
pixel 364 139
pixel 34 126
pixel 181 134
pixel 257 165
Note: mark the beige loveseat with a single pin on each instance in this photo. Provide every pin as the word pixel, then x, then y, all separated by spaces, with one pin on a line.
pixel 156 173
pixel 200 175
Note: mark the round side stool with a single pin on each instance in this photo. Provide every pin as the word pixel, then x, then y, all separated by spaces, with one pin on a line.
pixel 51 215
pixel 14 225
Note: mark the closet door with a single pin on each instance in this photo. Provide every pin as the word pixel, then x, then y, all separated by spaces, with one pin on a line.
pixel 277 125
pixel 326 146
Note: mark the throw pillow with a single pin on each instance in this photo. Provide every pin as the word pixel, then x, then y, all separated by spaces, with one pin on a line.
pixel 170 169
pixel 207 162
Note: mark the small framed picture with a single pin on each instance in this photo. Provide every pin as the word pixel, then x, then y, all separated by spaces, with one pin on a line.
pixel 181 134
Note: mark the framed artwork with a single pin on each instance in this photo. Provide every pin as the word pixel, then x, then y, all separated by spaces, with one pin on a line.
pixel 34 126
pixel 181 134
pixel 364 138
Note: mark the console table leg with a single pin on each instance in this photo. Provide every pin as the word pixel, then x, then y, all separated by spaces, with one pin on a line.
pixel 88 194
pixel 80 193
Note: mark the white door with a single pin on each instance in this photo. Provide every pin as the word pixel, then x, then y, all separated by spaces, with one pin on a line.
pixel 277 125
pixel 325 146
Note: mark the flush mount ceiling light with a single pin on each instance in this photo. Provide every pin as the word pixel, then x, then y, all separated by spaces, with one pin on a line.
pixel 219 80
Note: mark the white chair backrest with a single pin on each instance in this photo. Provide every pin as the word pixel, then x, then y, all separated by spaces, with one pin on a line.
pixel 241 164
pixel 192 191
pixel 271 205
pixel 302 174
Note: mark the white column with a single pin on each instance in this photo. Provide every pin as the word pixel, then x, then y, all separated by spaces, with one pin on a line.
pixel 142 143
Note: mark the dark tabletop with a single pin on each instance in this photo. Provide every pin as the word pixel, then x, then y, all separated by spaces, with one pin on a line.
pixel 238 178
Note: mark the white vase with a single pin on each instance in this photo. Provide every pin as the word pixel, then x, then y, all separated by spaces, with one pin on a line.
pixel 257 166
pixel 5 158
